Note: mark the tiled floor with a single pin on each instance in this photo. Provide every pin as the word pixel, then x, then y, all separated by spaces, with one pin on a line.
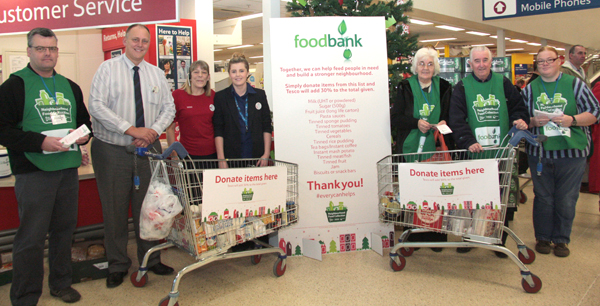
pixel 365 278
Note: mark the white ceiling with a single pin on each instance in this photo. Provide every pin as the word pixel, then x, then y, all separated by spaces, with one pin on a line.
pixel 252 30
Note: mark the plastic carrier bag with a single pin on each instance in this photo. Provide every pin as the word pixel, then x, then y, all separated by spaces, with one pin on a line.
pixel 160 206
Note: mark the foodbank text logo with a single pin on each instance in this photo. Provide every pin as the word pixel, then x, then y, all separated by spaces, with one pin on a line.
pixel 330 42
pixel 46 106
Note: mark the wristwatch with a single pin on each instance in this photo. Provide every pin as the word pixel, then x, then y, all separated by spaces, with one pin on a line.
pixel 574 123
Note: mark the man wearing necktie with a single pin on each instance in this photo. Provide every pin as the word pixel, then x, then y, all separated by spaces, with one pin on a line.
pixel 131 104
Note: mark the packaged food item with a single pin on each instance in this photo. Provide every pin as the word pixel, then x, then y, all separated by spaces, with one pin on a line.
pixel 201 242
pixel 78 254
pixel 95 251
pixel 211 236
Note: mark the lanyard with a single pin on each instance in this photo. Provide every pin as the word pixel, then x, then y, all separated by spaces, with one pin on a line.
pixel 244 118
pixel 49 92
pixel 555 87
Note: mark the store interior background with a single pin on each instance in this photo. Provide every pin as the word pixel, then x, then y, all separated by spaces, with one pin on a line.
pixel 218 30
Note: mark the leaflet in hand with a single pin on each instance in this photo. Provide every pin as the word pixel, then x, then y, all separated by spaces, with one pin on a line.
pixel 556 113
pixel 444 129
pixel 72 137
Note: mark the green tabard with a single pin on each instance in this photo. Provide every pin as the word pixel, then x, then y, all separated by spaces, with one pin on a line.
pixel 563 99
pixel 429 112
pixel 39 110
pixel 487 110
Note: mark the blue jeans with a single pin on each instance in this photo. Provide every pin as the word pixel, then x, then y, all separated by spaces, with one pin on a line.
pixel 556 192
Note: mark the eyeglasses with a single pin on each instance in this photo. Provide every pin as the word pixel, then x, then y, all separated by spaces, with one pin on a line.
pixel 422 64
pixel 41 49
pixel 548 61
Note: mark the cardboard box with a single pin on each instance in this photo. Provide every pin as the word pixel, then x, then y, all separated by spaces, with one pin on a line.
pixel 90 269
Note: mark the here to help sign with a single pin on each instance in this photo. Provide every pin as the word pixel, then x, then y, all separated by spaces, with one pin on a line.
pixel 493 9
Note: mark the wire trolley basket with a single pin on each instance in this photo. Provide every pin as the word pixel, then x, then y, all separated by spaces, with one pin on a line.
pixel 211 238
pixel 479 225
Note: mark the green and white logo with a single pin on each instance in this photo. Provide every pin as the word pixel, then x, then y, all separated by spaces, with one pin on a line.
pixel 551 105
pixel 487 109
pixel 327 41
pixel 426 111
pixel 46 106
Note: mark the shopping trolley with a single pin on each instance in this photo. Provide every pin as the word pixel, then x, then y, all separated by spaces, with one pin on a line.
pixel 210 238
pixel 476 229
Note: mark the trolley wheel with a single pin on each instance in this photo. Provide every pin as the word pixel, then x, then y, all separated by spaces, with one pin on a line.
pixel 537 284
pixel 406 251
pixel 277 268
pixel 397 267
pixel 531 255
pixel 523 197
pixel 165 302
pixel 255 259
pixel 142 281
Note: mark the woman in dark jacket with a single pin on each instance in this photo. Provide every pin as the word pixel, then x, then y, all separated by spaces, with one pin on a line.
pixel 423 101
pixel 242 119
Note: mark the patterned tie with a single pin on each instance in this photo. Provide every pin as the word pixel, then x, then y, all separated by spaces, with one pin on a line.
pixel 139 104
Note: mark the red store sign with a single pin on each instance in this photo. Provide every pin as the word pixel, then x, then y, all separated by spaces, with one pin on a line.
pixel 20 16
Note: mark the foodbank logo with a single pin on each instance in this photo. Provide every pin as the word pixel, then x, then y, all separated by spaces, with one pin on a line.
pixel 426 111
pixel 327 41
pixel 551 105
pixel 336 213
pixel 46 106
pixel 487 109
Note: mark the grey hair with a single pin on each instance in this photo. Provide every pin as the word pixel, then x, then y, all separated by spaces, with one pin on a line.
pixel 479 49
pixel 45 32
pixel 426 51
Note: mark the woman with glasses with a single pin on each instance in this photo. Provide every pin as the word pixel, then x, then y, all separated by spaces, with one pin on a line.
pixel 422 102
pixel 562 108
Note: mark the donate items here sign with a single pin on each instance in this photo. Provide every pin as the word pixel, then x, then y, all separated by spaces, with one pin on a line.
pixel 23 15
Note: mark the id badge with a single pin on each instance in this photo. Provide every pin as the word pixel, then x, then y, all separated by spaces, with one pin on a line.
pixel 58 118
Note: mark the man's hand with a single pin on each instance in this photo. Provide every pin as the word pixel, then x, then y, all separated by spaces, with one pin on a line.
pixel 145 134
pixel 53 144
pixel 139 143
pixel 520 124
pixel 475 148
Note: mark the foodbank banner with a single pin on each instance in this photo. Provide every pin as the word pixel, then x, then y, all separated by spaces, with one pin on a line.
pixel 331 116
pixel 243 192
pixel 465 185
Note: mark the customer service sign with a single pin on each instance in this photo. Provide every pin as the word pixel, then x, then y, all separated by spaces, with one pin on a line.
pixel 23 15
pixel 331 116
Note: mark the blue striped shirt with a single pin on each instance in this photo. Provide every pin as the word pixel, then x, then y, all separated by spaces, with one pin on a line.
pixel 586 102
pixel 112 104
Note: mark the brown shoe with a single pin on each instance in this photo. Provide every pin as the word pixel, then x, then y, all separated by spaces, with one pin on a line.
pixel 543 247
pixel 561 250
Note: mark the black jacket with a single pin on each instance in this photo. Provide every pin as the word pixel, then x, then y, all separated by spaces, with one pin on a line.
pixel 403 120
pixel 226 122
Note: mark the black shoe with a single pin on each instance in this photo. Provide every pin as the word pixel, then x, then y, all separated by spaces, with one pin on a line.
pixel 68 295
pixel 161 269
pixel 500 254
pixel 115 279
pixel 463 250
pixel 437 250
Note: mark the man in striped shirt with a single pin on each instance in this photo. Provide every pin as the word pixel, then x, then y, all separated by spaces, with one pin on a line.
pixel 131 104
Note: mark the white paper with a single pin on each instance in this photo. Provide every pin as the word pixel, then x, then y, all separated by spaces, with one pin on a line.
pixel 376 244
pixel 444 129
pixel 557 113
pixel 312 249
pixel 72 137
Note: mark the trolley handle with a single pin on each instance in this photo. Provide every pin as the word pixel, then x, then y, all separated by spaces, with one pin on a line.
pixel 516 135
pixel 176 146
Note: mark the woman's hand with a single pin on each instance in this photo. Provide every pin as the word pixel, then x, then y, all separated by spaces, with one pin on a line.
pixel 223 164
pixel 424 126
pixel 563 121
pixel 539 121
pixel 263 161
pixel 520 124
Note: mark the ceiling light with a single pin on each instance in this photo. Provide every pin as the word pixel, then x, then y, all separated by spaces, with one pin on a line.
pixel 439 39
pixel 445 27
pixel 505 38
pixel 242 46
pixel 533 53
pixel 421 22
pixel 261 56
pixel 560 49
pixel 516 49
pixel 477 33
pixel 248 17
pixel 519 41
pixel 440 48
pixel 534 44
pixel 216 50
pixel 483 45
